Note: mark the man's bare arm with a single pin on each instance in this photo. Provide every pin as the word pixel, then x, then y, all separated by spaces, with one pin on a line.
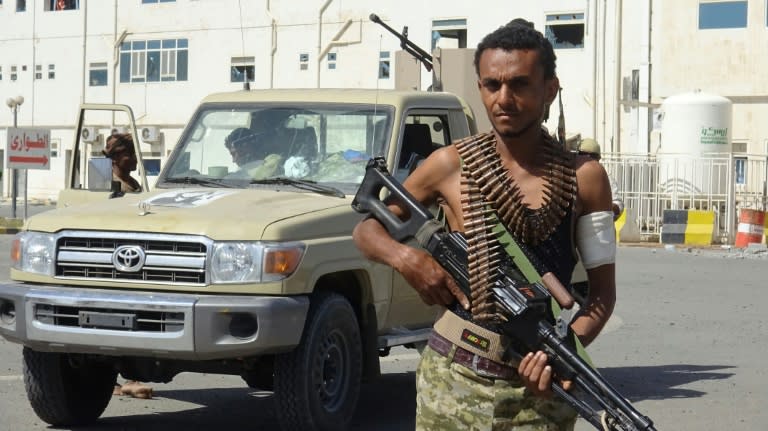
pixel 420 270
pixel 595 197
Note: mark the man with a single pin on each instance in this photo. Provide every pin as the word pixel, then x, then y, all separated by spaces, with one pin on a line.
pixel 120 149
pixel 591 148
pixel 248 153
pixel 536 182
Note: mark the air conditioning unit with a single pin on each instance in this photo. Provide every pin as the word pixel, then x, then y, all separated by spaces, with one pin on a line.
pixel 88 134
pixel 150 134
pixel 118 129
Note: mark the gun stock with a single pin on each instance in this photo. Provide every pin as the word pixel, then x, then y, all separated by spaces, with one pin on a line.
pixel 530 323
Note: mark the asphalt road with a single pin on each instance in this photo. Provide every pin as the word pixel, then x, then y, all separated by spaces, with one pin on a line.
pixel 684 346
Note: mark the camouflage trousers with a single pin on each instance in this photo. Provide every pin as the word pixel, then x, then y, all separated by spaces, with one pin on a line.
pixel 451 397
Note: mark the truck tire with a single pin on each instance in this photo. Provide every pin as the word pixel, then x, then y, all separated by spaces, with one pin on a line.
pixel 317 385
pixel 62 394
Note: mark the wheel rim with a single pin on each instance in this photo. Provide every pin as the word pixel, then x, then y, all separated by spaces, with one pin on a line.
pixel 331 370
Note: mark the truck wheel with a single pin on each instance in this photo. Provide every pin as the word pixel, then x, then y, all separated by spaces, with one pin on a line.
pixel 317 384
pixel 62 394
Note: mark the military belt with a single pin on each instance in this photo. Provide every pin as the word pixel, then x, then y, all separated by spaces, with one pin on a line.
pixel 481 366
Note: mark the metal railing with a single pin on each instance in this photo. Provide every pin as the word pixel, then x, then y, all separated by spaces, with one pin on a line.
pixel 650 184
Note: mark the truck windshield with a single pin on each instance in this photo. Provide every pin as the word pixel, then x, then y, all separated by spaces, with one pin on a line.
pixel 244 144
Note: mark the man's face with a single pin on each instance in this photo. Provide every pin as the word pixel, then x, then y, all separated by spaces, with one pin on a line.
pixel 514 91
pixel 241 154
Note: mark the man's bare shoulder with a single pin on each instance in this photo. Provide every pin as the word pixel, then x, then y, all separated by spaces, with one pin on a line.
pixel 588 169
pixel 436 175
pixel 594 189
pixel 441 163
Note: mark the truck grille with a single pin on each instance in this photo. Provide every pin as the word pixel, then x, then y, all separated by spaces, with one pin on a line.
pixel 125 320
pixel 145 258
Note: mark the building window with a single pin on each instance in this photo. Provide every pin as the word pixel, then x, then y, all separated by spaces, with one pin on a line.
pixel 243 69
pixel 21 5
pixel 722 14
pixel 331 60
pixel 154 60
pixel 303 61
pixel 1 67
pixel 740 169
pixel 157 1
pixel 565 30
pixel 56 5
pixel 449 33
pixel 38 71
pixel 384 65
pixel 97 75
pixel 51 71
pixel 14 74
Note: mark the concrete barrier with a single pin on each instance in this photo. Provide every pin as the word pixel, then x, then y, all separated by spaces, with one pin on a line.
pixel 627 229
pixel 690 227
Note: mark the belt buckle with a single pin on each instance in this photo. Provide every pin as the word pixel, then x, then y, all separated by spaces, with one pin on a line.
pixel 479 371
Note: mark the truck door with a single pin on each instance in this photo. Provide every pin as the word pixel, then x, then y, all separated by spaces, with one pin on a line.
pixel 423 131
pixel 89 171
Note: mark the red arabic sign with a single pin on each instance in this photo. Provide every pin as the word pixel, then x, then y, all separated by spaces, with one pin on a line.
pixel 28 149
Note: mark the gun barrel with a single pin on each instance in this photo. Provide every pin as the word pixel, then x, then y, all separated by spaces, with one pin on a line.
pixel 406 44
pixel 590 381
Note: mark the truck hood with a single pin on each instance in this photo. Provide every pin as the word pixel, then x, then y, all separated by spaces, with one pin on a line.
pixel 217 213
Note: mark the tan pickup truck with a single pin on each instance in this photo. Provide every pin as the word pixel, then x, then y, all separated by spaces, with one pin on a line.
pixel 241 268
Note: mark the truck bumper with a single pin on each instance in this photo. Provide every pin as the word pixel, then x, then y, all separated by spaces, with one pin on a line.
pixel 168 325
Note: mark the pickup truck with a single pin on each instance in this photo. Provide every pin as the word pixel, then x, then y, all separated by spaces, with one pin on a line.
pixel 216 268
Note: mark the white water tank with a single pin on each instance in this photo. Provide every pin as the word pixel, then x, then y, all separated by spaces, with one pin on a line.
pixel 695 145
pixel 696 124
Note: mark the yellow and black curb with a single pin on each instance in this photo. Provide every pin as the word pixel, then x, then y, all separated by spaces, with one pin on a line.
pixel 689 227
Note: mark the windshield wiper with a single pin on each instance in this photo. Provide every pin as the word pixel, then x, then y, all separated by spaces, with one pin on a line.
pixel 302 184
pixel 200 181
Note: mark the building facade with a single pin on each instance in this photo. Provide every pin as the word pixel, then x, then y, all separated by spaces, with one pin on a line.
pixel 160 57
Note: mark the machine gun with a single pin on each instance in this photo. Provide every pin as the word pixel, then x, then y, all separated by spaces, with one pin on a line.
pixel 529 325
pixel 405 44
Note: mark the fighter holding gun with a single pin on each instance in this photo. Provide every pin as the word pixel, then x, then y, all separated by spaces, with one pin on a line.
pixel 516 205
pixel 530 324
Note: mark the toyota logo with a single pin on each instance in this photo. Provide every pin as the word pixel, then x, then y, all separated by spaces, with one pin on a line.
pixel 128 258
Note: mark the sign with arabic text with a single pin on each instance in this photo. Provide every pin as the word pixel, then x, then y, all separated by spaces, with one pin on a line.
pixel 28 149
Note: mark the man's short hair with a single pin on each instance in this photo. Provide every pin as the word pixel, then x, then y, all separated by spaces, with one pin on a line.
pixel 519 34
pixel 239 137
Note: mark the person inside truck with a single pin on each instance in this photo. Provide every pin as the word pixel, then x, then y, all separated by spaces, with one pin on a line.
pixel 120 149
pixel 248 153
pixel 549 201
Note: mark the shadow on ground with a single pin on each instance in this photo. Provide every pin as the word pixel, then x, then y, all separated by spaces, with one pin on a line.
pixel 662 381
pixel 387 405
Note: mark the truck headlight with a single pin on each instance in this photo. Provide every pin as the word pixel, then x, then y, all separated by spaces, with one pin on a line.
pixel 242 262
pixel 33 252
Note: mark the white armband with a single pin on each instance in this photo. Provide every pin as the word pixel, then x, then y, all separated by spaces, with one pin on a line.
pixel 596 239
